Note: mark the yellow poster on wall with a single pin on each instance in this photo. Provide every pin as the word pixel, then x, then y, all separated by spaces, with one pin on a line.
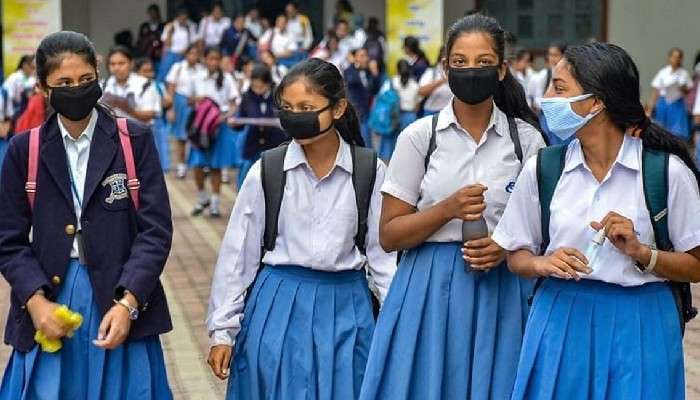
pixel 420 18
pixel 24 24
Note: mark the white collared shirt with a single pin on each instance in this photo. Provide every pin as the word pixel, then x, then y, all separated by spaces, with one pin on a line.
pixel 279 42
pixel 458 161
pixel 317 225
pixel 182 36
pixel 442 95
pixel 17 83
pixel 299 28
pixel 669 83
pixel 580 199
pixel 78 154
pixel 536 87
pixel 205 86
pixel 138 90
pixel 211 31
pixel 183 76
pixel 409 99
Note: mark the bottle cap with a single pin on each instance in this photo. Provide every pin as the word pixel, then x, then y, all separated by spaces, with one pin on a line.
pixel 599 237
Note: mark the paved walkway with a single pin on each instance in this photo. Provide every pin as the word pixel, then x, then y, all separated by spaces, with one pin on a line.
pixel 187 278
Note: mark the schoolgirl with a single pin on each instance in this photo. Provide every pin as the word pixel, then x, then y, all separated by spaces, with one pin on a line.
pixel 98 243
pixel 434 88
pixel 161 129
pixel 258 102
pixel 19 85
pixel 669 87
pixel 304 330
pixel 129 93
pixel 406 87
pixel 181 82
pixel 452 323
pixel 604 323
pixel 220 87
pixel 178 35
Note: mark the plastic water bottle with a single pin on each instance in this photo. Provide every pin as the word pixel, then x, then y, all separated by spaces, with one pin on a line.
pixel 472 230
pixel 594 247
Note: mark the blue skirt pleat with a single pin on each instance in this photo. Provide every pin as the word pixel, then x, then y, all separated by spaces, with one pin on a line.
pixel 445 332
pixel 673 117
pixel 161 130
pixel 221 155
pixel 305 335
pixel 591 340
pixel 182 113
pixel 166 62
pixel 82 371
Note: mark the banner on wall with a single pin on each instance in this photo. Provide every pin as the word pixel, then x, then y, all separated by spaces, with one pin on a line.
pixel 420 18
pixel 24 24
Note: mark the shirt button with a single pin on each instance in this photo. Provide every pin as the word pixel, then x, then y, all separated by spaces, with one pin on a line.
pixel 56 280
pixel 70 229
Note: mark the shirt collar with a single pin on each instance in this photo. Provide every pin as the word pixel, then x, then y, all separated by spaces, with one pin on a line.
pixel 296 156
pixel 447 118
pixel 88 132
pixel 628 156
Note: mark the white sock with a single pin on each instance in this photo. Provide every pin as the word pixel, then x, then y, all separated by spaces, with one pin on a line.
pixel 215 201
pixel 181 168
pixel 202 197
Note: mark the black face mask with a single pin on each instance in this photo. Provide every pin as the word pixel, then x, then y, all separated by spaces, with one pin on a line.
pixel 304 124
pixel 473 85
pixel 75 102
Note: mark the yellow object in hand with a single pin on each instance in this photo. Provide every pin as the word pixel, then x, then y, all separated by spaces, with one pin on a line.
pixel 69 318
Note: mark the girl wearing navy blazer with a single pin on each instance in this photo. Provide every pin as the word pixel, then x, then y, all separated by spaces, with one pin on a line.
pixel 90 248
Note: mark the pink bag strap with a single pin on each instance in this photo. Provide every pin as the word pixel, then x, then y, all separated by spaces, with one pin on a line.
pixel 133 183
pixel 32 167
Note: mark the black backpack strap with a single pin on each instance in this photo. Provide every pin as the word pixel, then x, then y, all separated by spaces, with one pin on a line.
pixel 513 130
pixel 550 166
pixel 432 145
pixel 655 181
pixel 364 175
pixel 273 180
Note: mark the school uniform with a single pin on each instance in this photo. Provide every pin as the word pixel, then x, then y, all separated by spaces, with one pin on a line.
pixel 161 129
pixel 223 153
pixel 409 99
pixel 256 139
pixel 279 43
pixel 617 328
pixel 362 86
pixel 123 249
pixel 211 31
pixel 446 332
pixel 299 28
pixel 305 329
pixel 182 75
pixel 441 96
pixel 278 71
pixel 670 110
pixel 182 36
pixel 19 87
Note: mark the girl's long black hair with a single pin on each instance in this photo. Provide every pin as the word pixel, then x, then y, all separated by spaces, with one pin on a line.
pixel 608 72
pixel 325 79
pixel 219 71
pixel 510 96
pixel 54 47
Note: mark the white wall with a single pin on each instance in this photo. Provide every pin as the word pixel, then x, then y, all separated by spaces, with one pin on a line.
pixel 647 29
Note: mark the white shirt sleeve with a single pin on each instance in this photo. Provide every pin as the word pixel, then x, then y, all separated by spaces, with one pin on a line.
pixel 520 226
pixel 427 77
pixel 204 23
pixel 683 206
pixel 150 100
pixel 658 81
pixel 382 265
pixel 238 261
pixel 406 170
pixel 233 95
pixel 166 31
pixel 174 73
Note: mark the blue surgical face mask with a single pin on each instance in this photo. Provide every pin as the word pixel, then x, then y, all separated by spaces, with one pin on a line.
pixel 561 119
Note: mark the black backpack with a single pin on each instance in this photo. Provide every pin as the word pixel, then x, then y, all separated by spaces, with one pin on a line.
pixel 550 165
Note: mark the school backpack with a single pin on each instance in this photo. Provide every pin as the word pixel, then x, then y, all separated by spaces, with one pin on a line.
pixel 384 114
pixel 550 165
pixel 203 124
pixel 132 184
pixel 364 171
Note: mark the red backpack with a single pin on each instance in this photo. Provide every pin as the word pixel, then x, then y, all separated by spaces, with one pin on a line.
pixel 203 124
pixel 132 183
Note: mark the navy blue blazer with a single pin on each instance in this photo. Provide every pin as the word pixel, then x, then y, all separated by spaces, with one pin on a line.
pixel 124 249
pixel 259 138
pixel 359 95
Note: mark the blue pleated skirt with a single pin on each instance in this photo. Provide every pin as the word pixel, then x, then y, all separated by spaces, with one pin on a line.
pixel 182 114
pixel 305 335
pixel 673 117
pixel 388 143
pixel 161 130
pixel 166 62
pixel 82 371
pixel 445 332
pixel 592 340
pixel 221 155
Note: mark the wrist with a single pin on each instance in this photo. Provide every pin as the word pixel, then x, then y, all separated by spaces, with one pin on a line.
pixel 642 255
pixel 37 298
